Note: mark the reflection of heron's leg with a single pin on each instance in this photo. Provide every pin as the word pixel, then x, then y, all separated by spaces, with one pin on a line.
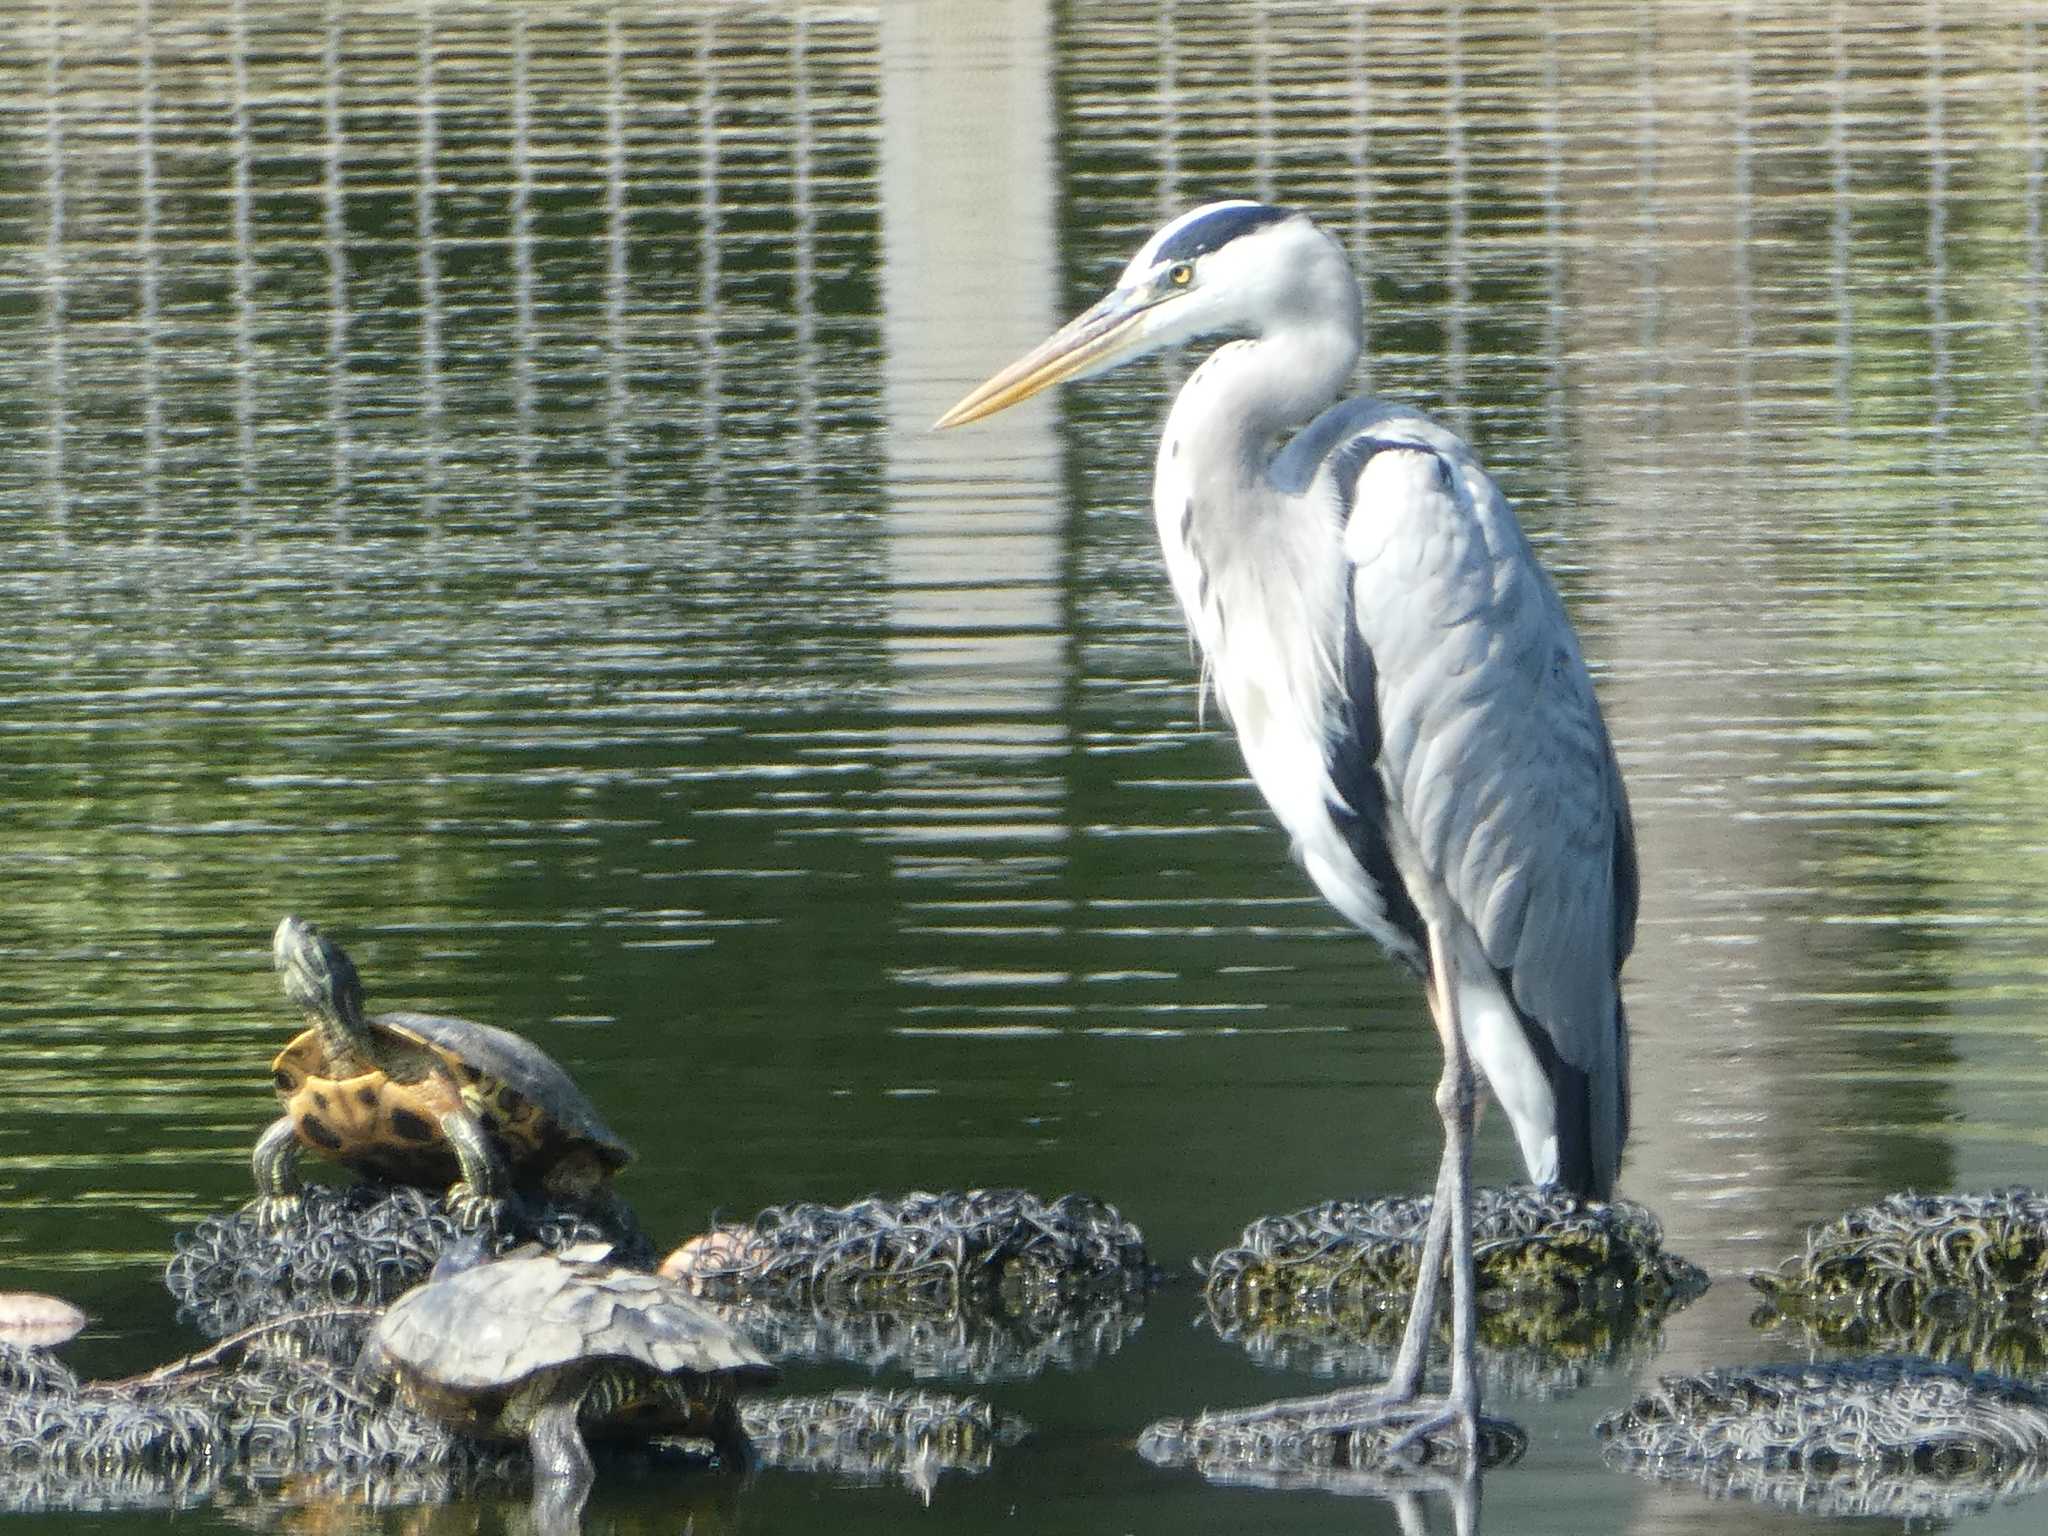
pixel 1411 1511
pixel 1465 1500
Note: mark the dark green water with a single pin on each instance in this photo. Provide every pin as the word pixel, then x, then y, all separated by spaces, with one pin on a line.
pixel 463 478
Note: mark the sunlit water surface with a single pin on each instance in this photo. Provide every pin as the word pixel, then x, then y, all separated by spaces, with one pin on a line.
pixel 465 480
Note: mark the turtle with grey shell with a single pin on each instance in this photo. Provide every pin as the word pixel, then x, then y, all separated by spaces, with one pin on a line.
pixel 421 1099
pixel 551 1347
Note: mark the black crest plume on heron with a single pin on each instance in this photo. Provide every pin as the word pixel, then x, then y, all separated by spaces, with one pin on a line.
pixel 1408 693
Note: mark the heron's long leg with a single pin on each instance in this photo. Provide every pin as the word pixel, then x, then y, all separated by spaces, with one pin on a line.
pixel 1450 1226
pixel 1404 1382
pixel 1454 1101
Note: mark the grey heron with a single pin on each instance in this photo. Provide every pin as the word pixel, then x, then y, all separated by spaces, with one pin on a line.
pixel 1408 693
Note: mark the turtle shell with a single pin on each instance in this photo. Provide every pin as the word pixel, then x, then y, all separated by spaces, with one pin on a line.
pixel 387 1120
pixel 467 1344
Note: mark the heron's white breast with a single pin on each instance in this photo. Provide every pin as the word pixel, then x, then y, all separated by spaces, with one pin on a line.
pixel 1265 605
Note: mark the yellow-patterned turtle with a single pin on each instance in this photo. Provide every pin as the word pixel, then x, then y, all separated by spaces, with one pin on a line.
pixel 422 1099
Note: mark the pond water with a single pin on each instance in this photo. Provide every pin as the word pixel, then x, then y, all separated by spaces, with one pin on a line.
pixel 465 479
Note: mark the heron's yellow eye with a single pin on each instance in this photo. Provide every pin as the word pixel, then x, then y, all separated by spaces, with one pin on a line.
pixel 1180 274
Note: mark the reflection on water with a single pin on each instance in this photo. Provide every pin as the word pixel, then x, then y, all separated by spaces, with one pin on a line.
pixel 466 481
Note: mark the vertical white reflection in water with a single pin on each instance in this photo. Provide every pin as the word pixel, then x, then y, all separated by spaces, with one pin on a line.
pixel 147 222
pixel 523 343
pixel 1838 223
pixel 334 242
pixel 1550 135
pixel 1358 152
pixel 1700 684
pixel 56 289
pixel 1648 288
pixel 1938 359
pixel 710 376
pixel 1169 199
pixel 426 197
pixel 2030 108
pixel 977 647
pixel 803 197
pixel 1743 277
pixel 1262 100
pixel 245 269
pixel 617 229
pixel 1167 99
pixel 1458 193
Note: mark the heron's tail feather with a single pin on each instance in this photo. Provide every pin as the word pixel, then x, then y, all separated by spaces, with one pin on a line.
pixel 1569 1112
pixel 1592 1115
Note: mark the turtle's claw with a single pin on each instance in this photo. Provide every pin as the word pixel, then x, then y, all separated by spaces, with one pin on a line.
pixel 273 1213
pixel 472 1212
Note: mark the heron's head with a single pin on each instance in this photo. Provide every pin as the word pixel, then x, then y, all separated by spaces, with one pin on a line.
pixel 1237 266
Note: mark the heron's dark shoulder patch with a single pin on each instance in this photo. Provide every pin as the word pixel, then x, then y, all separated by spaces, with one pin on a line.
pixel 1211 229
pixel 1352 760
pixel 1349 461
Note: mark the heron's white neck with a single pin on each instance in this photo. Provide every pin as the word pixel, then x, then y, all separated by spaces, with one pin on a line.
pixel 1234 412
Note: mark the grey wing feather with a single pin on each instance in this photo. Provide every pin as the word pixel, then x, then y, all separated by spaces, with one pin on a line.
pixel 1493 747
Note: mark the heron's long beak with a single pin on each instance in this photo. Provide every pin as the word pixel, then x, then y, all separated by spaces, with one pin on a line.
pixel 1105 335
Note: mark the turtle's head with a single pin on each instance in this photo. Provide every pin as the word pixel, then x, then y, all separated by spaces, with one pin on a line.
pixel 320 981
pixel 466 1252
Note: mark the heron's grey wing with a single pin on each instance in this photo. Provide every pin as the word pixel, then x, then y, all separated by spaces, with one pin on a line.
pixel 1493 752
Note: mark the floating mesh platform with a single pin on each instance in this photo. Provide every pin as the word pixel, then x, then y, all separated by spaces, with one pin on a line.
pixel 66 1445
pixel 922 1252
pixel 276 1406
pixel 1978 1340
pixel 270 1412
pixel 1335 1351
pixel 354 1244
pixel 870 1436
pixel 959 1345
pixel 1895 1437
pixel 1962 1278
pixel 1561 1281
pixel 982 1285
pixel 1336 1442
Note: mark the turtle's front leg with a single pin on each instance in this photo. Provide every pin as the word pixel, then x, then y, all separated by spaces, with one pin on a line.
pixel 562 1470
pixel 275 1162
pixel 479 1199
pixel 729 1437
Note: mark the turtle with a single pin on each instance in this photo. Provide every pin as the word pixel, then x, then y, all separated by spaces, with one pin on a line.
pixel 551 1347
pixel 421 1099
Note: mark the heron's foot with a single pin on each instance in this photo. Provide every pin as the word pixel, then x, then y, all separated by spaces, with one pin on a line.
pixel 1372 1429
pixel 1353 1402
pixel 1431 1431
